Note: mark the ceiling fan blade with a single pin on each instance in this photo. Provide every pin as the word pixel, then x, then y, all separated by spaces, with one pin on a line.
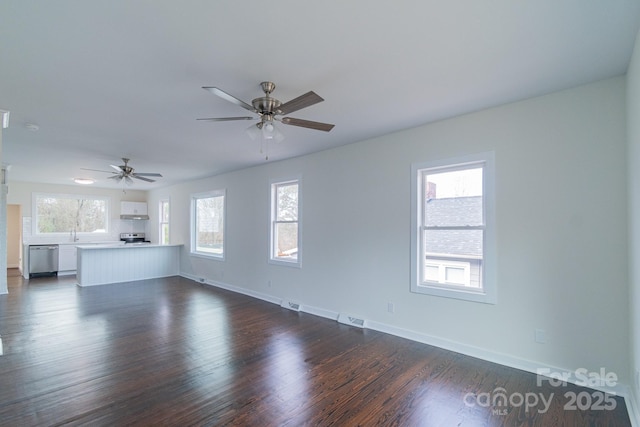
pixel 116 177
pixel 300 102
pixel 147 174
pixel 225 119
pixel 224 95
pixel 142 178
pixel 118 168
pixel 96 170
pixel 307 124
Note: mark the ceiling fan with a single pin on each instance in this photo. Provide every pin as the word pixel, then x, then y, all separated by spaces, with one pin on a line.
pixel 126 172
pixel 269 109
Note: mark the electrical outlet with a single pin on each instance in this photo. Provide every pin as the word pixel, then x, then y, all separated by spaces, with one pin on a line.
pixel 540 336
pixel 390 307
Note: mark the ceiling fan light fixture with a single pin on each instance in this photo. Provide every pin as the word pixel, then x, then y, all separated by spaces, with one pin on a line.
pixel 271 133
pixel 254 131
pixel 268 131
pixel 265 130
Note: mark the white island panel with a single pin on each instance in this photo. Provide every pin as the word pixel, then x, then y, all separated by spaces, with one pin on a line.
pixel 99 265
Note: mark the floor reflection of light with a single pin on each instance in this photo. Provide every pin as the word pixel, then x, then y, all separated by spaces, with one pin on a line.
pixel 208 354
pixel 287 374
pixel 60 345
pixel 163 318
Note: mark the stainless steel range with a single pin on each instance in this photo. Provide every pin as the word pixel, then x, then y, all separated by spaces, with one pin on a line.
pixel 134 239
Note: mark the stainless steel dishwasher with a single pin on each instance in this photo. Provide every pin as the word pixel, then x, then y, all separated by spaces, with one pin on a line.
pixel 43 260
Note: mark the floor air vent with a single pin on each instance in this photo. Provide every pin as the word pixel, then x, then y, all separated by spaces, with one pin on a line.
pixel 290 305
pixel 351 320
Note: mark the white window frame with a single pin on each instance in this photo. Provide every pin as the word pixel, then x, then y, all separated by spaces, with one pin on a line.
pixel 194 224
pixel 488 292
pixel 273 258
pixel 162 223
pixel 74 233
pixel 444 264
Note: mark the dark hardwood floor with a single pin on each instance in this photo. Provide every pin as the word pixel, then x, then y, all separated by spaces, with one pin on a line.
pixel 172 352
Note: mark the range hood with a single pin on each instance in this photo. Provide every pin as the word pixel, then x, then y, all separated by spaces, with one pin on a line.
pixel 133 210
pixel 133 216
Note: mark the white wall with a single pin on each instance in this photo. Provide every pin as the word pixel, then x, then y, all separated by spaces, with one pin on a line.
pixel 561 230
pixel 20 193
pixel 633 135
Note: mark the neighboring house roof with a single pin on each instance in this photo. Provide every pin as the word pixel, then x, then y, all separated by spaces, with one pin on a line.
pixel 454 211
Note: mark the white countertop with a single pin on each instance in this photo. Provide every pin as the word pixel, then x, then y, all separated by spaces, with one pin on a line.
pixel 122 246
pixel 104 242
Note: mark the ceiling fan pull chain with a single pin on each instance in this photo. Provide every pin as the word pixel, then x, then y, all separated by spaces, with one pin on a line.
pixel 264 148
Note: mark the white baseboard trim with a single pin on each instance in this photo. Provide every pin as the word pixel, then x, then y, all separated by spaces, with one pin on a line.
pixel 620 389
pixel 66 273
pixel 239 290
pixel 537 368
pixel 320 312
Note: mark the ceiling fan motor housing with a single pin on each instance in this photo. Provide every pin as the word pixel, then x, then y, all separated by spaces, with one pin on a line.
pixel 126 169
pixel 266 105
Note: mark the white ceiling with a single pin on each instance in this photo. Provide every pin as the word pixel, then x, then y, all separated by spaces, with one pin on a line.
pixel 122 78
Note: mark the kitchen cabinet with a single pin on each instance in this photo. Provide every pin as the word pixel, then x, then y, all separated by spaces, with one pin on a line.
pixel 67 258
pixel 133 208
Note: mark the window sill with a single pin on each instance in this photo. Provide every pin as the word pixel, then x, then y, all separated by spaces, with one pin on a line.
pixel 295 264
pixel 455 293
pixel 207 256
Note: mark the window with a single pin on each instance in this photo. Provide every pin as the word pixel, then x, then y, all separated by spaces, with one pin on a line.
pixel 163 232
pixel 285 225
pixel 70 214
pixel 208 223
pixel 452 217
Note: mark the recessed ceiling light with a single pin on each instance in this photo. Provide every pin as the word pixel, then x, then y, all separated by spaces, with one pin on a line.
pixel 83 181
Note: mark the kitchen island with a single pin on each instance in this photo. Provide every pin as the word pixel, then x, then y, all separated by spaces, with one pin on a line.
pixel 103 264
